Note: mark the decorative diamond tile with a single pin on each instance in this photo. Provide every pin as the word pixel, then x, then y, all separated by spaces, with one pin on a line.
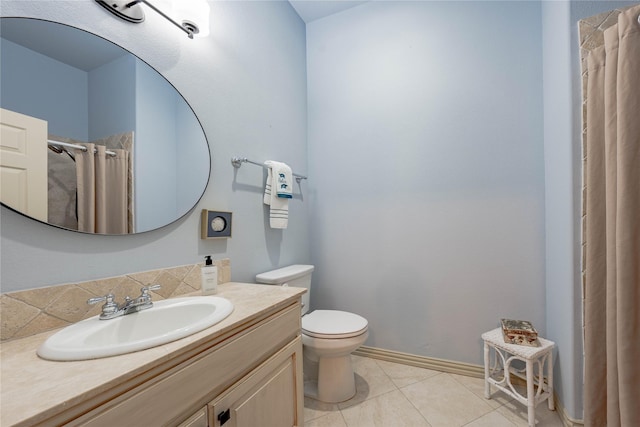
pixel 30 312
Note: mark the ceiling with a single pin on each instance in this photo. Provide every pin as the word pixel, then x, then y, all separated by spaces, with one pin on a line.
pixel 310 10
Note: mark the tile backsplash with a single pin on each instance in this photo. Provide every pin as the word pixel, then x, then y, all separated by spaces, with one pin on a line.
pixel 30 312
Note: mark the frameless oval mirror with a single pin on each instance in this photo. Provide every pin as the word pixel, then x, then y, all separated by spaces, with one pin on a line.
pixel 64 94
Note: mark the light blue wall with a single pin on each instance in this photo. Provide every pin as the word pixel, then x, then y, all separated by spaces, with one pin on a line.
pixel 187 156
pixel 562 296
pixel 426 152
pixel 112 98
pixel 155 150
pixel 65 107
pixel 247 84
pixel 166 140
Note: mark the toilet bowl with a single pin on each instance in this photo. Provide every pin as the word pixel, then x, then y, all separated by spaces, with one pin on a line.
pixel 328 338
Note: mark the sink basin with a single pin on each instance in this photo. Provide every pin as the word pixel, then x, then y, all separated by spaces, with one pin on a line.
pixel 168 320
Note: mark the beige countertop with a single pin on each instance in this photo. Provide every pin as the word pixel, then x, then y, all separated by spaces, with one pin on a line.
pixel 32 388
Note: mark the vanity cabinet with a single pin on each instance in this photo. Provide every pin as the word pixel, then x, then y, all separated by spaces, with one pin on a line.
pixel 253 378
pixel 261 398
pixel 199 419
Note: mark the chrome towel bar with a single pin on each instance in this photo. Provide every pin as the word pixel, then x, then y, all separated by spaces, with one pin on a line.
pixel 238 161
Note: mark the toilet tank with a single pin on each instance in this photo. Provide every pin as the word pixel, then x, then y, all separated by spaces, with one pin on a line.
pixel 298 276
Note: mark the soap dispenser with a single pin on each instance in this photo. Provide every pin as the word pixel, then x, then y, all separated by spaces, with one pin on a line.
pixel 209 274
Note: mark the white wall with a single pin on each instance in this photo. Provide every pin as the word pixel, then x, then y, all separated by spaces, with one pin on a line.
pixel 426 152
pixel 246 82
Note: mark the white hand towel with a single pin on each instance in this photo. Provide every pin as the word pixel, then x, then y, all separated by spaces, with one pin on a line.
pixel 279 207
pixel 283 180
pixel 267 186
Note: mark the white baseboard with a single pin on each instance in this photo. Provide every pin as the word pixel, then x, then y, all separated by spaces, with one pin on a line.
pixel 564 417
pixel 442 365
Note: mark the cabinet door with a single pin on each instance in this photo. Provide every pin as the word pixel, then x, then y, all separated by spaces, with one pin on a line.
pixel 199 419
pixel 270 396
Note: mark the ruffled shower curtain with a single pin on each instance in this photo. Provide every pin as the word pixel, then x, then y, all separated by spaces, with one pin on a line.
pixel 102 190
pixel 612 229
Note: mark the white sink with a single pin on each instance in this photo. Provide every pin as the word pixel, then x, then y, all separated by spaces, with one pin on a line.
pixel 168 320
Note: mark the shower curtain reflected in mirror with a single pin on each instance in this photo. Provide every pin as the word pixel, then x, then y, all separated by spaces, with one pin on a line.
pixel 102 190
pixel 612 228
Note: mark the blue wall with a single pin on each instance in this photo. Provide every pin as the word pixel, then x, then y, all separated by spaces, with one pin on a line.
pixel 167 135
pixel 426 152
pixel 155 150
pixel 189 137
pixel 65 107
pixel 247 84
pixel 112 98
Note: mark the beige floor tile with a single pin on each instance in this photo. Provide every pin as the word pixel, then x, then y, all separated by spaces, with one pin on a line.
pixel 388 410
pixel 315 409
pixel 371 381
pixel 492 419
pixel 516 412
pixel 333 419
pixel 403 375
pixel 445 402
pixel 476 386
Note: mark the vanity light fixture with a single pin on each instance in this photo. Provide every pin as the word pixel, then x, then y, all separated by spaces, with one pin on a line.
pixel 193 15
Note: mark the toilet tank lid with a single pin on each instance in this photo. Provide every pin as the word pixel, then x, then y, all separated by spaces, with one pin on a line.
pixel 284 274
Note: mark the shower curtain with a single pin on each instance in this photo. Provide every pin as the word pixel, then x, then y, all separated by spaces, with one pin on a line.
pixel 612 229
pixel 102 190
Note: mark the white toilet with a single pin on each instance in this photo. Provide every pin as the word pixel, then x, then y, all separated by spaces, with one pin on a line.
pixel 328 338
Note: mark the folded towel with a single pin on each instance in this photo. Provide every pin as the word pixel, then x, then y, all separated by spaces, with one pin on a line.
pixel 279 207
pixel 267 186
pixel 283 179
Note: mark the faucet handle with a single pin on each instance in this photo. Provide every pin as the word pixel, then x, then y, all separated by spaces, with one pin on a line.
pixel 109 307
pixel 145 289
pixel 145 296
pixel 109 298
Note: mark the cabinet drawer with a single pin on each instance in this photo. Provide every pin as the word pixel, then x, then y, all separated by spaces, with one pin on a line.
pixel 170 397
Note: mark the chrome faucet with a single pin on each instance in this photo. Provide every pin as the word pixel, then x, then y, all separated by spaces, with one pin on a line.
pixel 112 309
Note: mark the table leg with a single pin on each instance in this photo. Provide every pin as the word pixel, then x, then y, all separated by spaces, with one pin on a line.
pixel 531 406
pixel 550 380
pixel 487 386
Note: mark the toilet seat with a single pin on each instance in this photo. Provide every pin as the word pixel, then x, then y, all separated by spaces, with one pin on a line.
pixel 333 324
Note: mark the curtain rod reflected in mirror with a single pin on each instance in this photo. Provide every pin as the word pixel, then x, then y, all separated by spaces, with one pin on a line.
pixel 191 16
pixel 76 146
pixel 78 88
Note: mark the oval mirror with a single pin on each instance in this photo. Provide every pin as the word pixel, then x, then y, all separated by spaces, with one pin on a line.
pixel 93 139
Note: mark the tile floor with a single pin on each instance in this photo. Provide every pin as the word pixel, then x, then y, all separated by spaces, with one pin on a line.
pixel 396 395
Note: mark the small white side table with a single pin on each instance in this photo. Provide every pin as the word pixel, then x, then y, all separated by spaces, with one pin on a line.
pixel 539 386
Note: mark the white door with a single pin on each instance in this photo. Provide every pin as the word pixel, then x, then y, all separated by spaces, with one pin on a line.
pixel 23 163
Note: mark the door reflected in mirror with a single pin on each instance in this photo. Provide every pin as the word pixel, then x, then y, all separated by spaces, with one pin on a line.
pixel 133 157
